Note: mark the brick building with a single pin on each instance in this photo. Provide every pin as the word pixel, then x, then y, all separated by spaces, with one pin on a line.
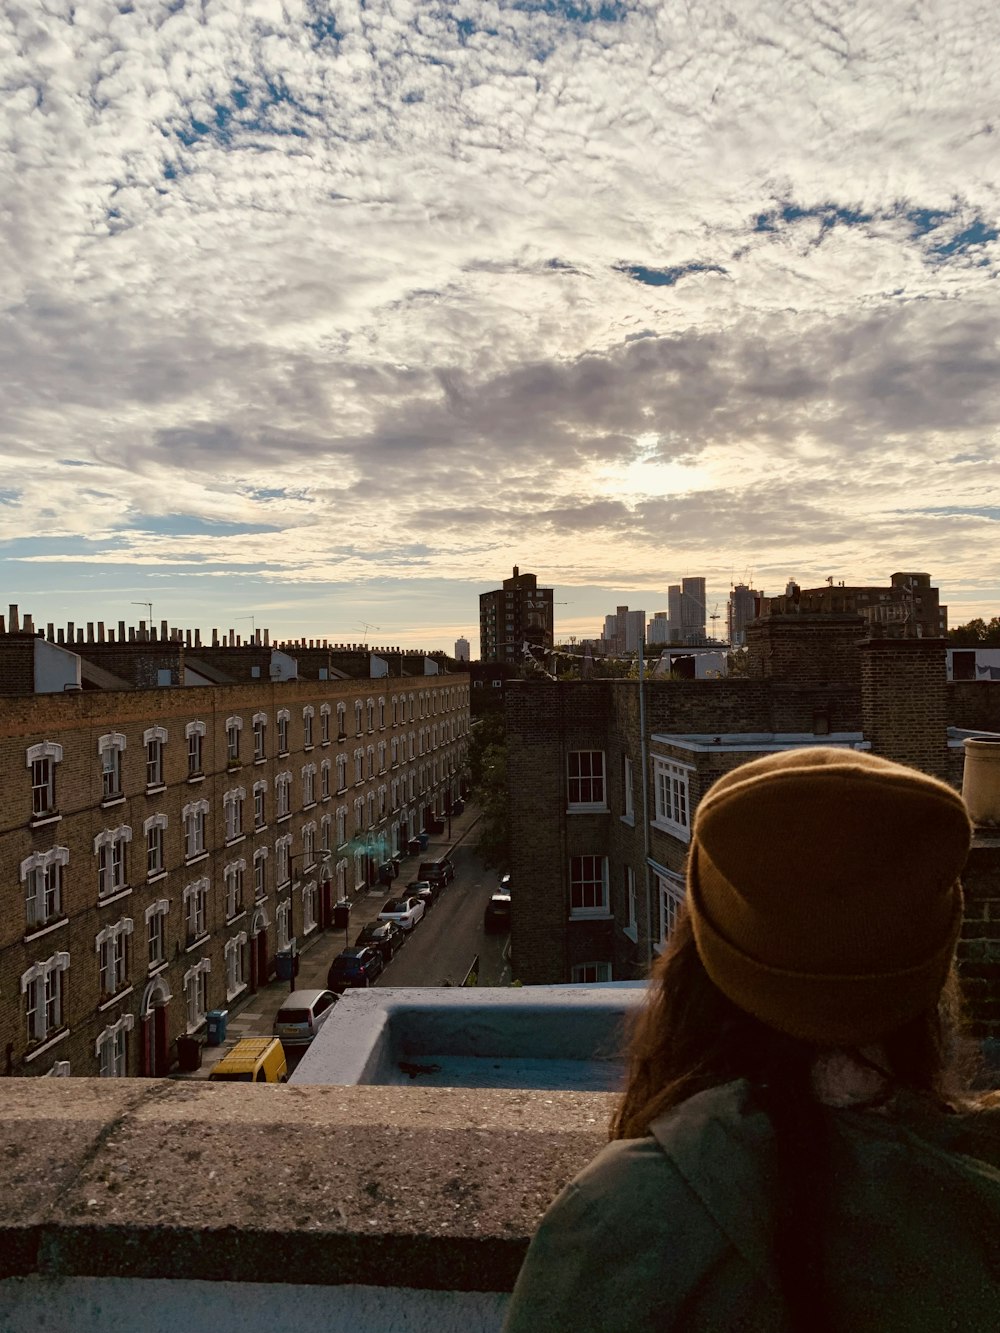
pixel 160 845
pixel 909 606
pixel 518 613
pixel 602 799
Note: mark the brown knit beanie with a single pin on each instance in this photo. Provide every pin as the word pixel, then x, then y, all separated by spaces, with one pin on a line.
pixel 823 891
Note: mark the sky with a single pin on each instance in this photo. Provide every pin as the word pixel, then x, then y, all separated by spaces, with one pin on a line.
pixel 321 316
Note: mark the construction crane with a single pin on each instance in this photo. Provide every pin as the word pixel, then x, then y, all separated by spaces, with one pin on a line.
pixel 713 618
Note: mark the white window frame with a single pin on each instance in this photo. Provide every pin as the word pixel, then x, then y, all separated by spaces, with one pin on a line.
pixel 259 737
pixel 341 772
pixel 41 759
pixel 110 847
pixel 284 717
pixel 282 860
pixel 308 785
pixel 282 923
pixel 194 733
pixel 44 987
pixel 588 880
pixel 341 721
pixel 341 825
pixel 283 796
pixel 631 926
pixel 308 845
pixel 42 877
pixel 111 946
pixel 233 877
pixel 308 907
pixel 260 873
pixel 586 788
pixel 196 993
pixel 154 739
pixel 260 804
pixel 196 909
pixel 672 797
pixel 155 829
pixel 234 726
pixel 308 713
pixel 235 956
pixel 324 724
pixel 232 808
pixel 111 1048
pixel 110 749
pixel 156 932
pixel 669 901
pixel 628 792
pixel 325 770
pixel 194 816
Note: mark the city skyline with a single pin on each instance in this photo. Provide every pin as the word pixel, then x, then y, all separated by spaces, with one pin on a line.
pixel 310 310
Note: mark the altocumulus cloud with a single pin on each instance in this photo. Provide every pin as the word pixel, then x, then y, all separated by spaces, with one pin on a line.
pixel 504 270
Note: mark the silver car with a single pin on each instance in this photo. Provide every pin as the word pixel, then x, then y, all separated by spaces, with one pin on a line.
pixel 302 1015
pixel 406 912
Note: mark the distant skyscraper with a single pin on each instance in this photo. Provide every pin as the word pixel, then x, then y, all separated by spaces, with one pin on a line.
pixel 635 630
pixel 461 650
pixel 742 609
pixel 658 629
pixel 674 610
pixel 693 609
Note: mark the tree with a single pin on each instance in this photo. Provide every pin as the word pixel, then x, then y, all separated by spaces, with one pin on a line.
pixel 488 774
pixel 976 633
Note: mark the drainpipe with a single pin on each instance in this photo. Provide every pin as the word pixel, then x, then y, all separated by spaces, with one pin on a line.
pixel 644 761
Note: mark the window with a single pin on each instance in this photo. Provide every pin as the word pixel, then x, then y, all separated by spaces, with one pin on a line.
pixel 382 801
pixel 112 956
pixel 309 785
pixel 195 733
pixel 381 756
pixel 628 798
pixel 371 761
pixel 341 825
pixel 281 919
pixel 111 1048
pixel 670 893
pixel 259 805
pixel 260 873
pixel 43 987
pixel 236 965
pixel 154 740
pixel 588 886
pixel 586 780
pixel 155 830
pixel 395 711
pixel 371 810
pixel 630 928
pixel 111 748
pixel 42 760
pixel 196 993
pixel 282 858
pixel 326 837
pixel 587 973
pixel 42 877
pixel 308 845
pixel 307 726
pixel 194 829
pixel 259 737
pixel 358 717
pixel 156 932
pixel 308 907
pixel 196 909
pixel 324 724
pixel 370 714
pixel 283 792
pixel 112 871
pixel 324 780
pixel 341 772
pixel 670 785
pixel 233 878
pixel 359 815
pixel 381 713
pixel 359 870
pixel 394 751
pixel 234 725
pixel 283 716
pixel 232 805
pixel 341 722
pixel 359 766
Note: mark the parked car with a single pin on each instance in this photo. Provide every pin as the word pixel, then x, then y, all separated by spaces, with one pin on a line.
pixel 497 914
pixel 252 1060
pixel 302 1015
pixel 424 888
pixel 385 936
pixel 406 912
pixel 354 968
pixel 438 872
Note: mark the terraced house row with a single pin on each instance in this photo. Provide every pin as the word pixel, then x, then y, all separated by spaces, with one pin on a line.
pixel 159 847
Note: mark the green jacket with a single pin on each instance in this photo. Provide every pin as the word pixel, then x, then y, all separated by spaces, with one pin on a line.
pixel 672 1231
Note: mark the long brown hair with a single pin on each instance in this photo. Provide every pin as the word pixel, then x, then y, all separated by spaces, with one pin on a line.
pixel 690 1037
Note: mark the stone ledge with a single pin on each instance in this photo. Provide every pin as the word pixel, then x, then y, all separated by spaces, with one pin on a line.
pixel 386 1186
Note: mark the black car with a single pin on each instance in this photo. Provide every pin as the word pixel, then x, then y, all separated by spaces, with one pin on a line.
pixel 354 968
pixel 425 890
pixel 385 936
pixel 438 872
pixel 497 914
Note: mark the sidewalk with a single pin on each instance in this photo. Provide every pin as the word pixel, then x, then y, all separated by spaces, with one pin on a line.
pixel 253 1013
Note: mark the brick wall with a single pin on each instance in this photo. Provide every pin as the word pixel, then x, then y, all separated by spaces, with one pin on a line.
pixel 76 722
pixel 974 705
pixel 806 649
pixel 979 946
pixel 904 701
pixel 17 664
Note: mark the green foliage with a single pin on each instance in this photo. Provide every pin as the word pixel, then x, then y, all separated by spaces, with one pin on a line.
pixel 977 633
pixel 488 771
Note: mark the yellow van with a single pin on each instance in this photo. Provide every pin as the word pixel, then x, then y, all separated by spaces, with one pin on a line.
pixel 252 1060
